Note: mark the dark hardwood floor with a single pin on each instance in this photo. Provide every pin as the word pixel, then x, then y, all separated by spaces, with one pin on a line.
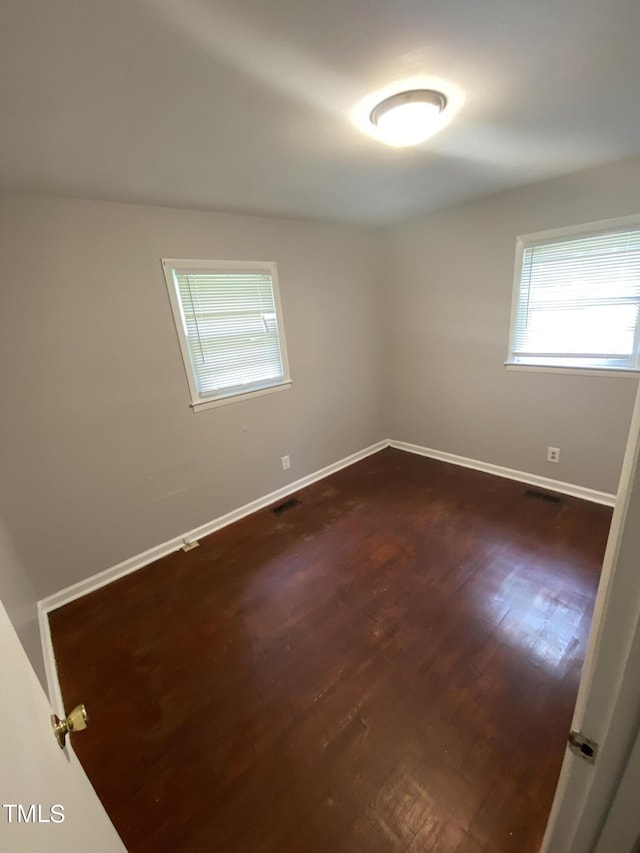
pixel 389 666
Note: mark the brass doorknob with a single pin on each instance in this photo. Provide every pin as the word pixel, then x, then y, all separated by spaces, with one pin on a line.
pixel 77 720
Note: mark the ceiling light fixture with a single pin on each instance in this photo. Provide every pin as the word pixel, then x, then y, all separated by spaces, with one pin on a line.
pixel 408 118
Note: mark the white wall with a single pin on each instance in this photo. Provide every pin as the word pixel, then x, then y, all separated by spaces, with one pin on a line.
pixel 101 455
pixel 448 308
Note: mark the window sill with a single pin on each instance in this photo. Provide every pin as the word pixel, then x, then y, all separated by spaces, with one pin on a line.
pixel 201 405
pixel 631 373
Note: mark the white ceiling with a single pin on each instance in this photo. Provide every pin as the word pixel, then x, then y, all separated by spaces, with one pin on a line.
pixel 244 105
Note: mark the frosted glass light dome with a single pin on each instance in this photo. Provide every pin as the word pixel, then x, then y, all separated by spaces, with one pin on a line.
pixel 408 118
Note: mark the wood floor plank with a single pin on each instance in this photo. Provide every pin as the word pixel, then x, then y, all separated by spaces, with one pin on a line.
pixel 389 666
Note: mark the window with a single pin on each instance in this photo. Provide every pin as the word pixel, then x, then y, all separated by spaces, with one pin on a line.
pixel 576 298
pixel 229 325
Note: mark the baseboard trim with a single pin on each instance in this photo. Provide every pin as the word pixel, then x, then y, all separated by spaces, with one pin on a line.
pixel 83 587
pixel 509 473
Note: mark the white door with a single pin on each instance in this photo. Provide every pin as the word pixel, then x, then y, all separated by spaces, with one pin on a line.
pixel 622 828
pixel 36 775
pixel 608 701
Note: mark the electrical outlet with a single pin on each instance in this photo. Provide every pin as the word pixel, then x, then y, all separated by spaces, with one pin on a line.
pixel 286 463
pixel 553 454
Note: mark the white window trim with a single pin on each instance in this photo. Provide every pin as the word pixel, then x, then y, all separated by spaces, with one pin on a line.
pixel 198 403
pixel 629 372
pixel 525 241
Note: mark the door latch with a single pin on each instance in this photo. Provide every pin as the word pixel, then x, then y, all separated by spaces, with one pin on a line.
pixel 583 746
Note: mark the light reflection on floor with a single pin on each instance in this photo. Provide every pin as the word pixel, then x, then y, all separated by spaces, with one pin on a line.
pixel 534 618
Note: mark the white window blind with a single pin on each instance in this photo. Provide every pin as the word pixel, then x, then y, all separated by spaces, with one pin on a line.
pixel 228 320
pixel 577 302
